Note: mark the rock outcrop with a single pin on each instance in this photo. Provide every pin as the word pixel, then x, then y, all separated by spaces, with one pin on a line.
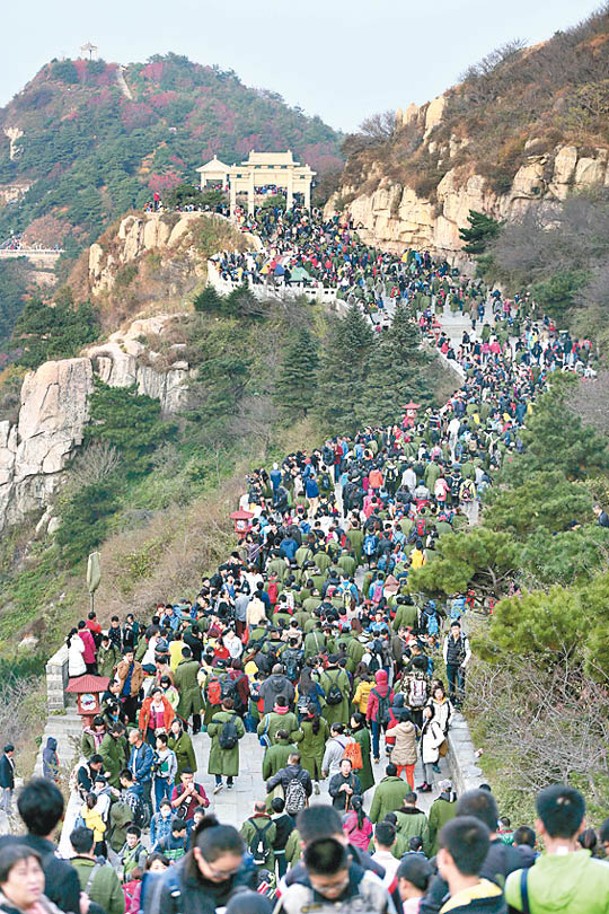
pixel 35 451
pixel 395 217
pixel 54 411
pixel 165 234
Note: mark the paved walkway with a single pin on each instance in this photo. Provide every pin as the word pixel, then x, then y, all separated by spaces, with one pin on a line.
pixel 234 806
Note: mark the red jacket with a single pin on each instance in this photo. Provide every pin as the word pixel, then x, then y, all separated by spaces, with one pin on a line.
pixel 380 688
pixel 89 643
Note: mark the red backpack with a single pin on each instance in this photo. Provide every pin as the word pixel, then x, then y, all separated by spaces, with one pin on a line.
pixel 214 691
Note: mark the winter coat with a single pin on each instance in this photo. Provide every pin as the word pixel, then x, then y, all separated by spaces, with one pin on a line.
pixel 76 663
pixel 107 659
pixel 94 821
pixel 442 712
pixel 195 894
pixel 250 832
pixel 340 799
pixel 185 753
pixel 160 827
pixel 412 822
pixel 336 713
pixel 105 889
pixel 276 684
pixel 61 885
pixel 432 737
pixel 335 750
pixel 113 752
pixel 362 695
pixel 144 718
pixel 381 688
pixel 404 751
pixel 442 811
pixel 276 757
pixel 137 677
pixel 287 774
pixel 224 762
pixel 359 837
pixel 365 774
pixel 87 639
pixel 187 684
pixel 483 898
pixel 50 760
pixel 388 796
pixel 271 723
pixel 312 746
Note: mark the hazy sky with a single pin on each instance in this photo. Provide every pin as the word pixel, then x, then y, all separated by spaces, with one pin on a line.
pixel 341 59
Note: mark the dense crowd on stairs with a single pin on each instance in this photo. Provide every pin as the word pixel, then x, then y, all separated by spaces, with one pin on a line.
pixel 307 640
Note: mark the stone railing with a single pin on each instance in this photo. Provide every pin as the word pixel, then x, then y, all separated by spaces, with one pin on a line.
pixel 57 680
pixel 318 293
pixel 462 759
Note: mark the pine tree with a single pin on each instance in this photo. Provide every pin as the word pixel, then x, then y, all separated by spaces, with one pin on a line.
pixel 343 372
pixel 296 386
pixel 396 371
pixel 482 230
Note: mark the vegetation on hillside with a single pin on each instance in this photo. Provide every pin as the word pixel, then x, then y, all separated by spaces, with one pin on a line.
pixel 516 102
pixel 92 153
pixel 538 688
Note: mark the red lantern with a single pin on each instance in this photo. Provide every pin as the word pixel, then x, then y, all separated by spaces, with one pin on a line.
pixel 242 521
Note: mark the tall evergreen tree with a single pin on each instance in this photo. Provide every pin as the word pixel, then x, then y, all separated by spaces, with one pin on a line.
pixel 296 386
pixel 396 371
pixel 343 372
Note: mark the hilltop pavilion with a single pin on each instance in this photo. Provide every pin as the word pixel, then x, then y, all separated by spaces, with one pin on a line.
pixel 261 169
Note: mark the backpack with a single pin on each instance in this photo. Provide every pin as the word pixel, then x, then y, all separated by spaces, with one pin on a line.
pixel 259 846
pixel 417 693
pixel 227 688
pixel 370 544
pixel 214 691
pixel 141 814
pixel 326 483
pixel 420 527
pixel 383 712
pixel 295 796
pixel 377 593
pixel 292 664
pixel 334 696
pixel 353 751
pixel 228 736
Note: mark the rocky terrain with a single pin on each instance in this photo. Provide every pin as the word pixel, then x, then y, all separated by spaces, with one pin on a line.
pixel 524 129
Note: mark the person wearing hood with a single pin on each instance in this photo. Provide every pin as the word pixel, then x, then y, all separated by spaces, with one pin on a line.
pixel 464 845
pixel 412 821
pixel 565 878
pixel 277 684
pixel 442 811
pixel 377 713
pixel 404 752
pixel 278 718
pixel 50 761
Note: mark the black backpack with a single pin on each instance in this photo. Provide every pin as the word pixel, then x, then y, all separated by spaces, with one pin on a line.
pixel 334 696
pixel 383 712
pixel 259 847
pixel 228 736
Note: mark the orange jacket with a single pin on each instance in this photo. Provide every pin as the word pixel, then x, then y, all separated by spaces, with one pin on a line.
pixel 144 718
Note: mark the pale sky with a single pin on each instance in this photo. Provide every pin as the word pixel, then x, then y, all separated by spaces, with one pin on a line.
pixel 341 59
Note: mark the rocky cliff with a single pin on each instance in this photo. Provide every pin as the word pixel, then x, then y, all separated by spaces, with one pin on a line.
pixel 525 128
pixel 395 216
pixel 149 262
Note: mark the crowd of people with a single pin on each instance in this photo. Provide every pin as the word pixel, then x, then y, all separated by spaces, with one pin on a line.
pixel 308 639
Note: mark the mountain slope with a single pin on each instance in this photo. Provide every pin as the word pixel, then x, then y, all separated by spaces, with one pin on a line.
pixel 85 141
pixel 525 126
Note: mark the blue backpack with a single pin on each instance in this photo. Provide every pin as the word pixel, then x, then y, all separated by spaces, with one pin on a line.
pixel 371 543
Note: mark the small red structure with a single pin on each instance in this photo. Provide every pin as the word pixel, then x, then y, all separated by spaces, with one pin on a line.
pixel 242 521
pixel 87 689
pixel 410 414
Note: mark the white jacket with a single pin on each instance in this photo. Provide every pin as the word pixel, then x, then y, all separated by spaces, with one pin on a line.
pixel 432 739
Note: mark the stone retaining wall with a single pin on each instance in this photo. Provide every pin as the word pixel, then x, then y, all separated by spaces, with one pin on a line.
pixel 462 761
pixel 57 680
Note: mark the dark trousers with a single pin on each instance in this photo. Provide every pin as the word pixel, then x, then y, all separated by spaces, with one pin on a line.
pixel 456 683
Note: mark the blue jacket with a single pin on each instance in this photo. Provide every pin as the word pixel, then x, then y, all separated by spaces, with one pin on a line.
pixel 140 763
